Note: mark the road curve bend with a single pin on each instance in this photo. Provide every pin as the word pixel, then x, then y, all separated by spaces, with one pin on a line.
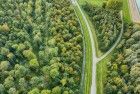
pixel 95 59
pixel 116 43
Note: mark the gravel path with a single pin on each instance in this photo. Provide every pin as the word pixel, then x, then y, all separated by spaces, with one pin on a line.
pixel 115 44
pixel 95 59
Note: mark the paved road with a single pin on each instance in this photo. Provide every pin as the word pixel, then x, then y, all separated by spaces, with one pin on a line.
pixel 95 59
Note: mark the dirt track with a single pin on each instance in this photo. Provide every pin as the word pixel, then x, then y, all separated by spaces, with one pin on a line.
pixel 135 15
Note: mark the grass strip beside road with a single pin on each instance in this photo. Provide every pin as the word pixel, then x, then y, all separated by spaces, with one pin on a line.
pixel 101 73
pixel 94 2
pixel 88 65
pixel 98 52
pixel 99 2
pixel 126 11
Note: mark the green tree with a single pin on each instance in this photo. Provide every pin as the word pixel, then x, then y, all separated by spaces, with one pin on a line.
pixel 33 63
pixel 12 91
pixel 37 41
pixel 20 70
pixel 66 92
pixel 29 54
pixel 4 65
pixel 9 82
pixel 137 89
pixel 54 72
pixel 136 35
pixel 4 28
pixel 56 90
pixel 4 51
pixel 34 91
pixel 21 47
pixel 23 85
pixel 124 69
pixel 135 70
pixel 63 81
pixel 35 81
pixel 114 4
pixel 46 92
pixel 2 89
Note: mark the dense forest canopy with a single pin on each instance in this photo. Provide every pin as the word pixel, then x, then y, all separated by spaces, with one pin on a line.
pixel 40 47
pixel 124 68
pixel 107 22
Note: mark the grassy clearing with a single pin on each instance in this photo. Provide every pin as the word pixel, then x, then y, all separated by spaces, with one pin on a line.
pixel 95 2
pixel 98 52
pixel 126 11
pixel 88 65
pixel 101 73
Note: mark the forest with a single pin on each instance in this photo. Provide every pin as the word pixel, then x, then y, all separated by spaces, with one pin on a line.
pixel 123 70
pixel 123 75
pixel 40 47
pixel 107 22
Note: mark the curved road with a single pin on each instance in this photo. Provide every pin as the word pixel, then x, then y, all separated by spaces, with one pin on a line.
pixel 116 43
pixel 95 59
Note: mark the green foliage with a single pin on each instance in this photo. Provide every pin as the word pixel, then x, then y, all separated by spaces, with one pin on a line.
pixel 64 81
pixel 2 89
pixel 19 71
pixel 33 63
pixel 34 91
pixel 114 4
pixel 4 51
pixel 54 73
pixel 45 92
pixel 135 71
pixel 56 90
pixel 4 65
pixel 4 28
pixel 107 23
pixel 65 92
pixel 40 47
pixel 9 82
pixel 12 91
pixel 125 78
pixel 29 54
pixel 22 84
pixel 124 68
